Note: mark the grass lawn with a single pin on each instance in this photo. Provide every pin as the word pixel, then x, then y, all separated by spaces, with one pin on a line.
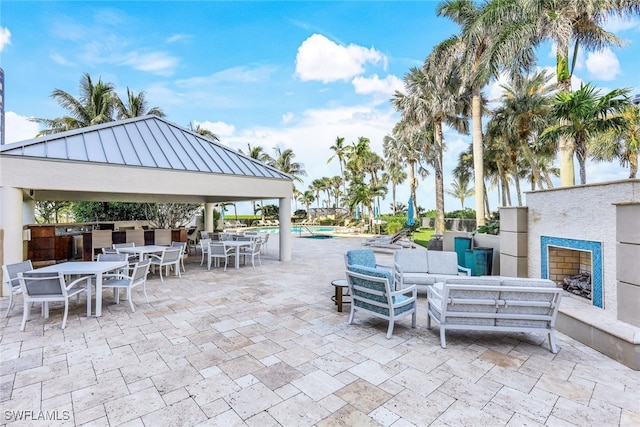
pixel 422 236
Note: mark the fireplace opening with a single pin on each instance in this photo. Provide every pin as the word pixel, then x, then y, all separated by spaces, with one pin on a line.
pixel 571 269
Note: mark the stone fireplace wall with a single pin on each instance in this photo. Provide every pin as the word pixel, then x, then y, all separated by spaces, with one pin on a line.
pixel 585 213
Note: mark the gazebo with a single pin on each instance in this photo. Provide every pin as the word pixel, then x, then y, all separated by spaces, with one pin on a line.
pixel 144 159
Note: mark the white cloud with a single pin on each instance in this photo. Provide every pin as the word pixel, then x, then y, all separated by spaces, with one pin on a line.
pixel 321 59
pixel 5 37
pixel 287 117
pixel 242 74
pixel 19 128
pixel 603 65
pixel 221 129
pixel 617 24
pixel 154 62
pixel 367 85
pixel 177 37
pixel 59 59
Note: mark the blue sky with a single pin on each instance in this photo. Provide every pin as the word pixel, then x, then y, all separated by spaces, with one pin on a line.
pixel 287 74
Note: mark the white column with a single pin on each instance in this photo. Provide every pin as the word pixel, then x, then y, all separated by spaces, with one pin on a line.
pixel 11 222
pixel 208 217
pixel 284 216
pixel 28 212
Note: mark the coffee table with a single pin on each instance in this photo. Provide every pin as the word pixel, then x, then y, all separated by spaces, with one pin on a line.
pixel 339 285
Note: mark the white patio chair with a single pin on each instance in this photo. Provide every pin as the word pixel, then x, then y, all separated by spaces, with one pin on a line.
pixel 10 275
pixel 218 250
pixel 123 281
pixel 204 249
pixel 182 245
pixel 46 288
pixel 169 258
pixel 253 251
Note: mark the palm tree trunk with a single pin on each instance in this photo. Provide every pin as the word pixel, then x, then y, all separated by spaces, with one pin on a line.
pixel 633 165
pixel 486 204
pixel 516 181
pixel 478 167
pixel 565 145
pixel 535 171
pixel 581 155
pixel 437 166
pixel 413 183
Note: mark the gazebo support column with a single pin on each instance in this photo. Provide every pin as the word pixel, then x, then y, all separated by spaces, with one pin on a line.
pixel 208 217
pixel 284 216
pixel 11 222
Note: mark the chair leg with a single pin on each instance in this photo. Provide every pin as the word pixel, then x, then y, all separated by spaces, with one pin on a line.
pixel 133 309
pixel 25 315
pixel 144 289
pixel 66 312
pixel 390 329
pixel 10 304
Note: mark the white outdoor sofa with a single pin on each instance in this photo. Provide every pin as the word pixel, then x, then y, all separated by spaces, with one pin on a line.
pixel 492 303
pixel 425 267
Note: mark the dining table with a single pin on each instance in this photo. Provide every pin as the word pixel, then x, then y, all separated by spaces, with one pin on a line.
pixel 87 268
pixel 237 244
pixel 142 251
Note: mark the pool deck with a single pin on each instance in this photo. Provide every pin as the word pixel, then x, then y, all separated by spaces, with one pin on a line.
pixel 266 346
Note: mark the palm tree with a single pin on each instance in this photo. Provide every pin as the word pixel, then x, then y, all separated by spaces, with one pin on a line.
pixel 341 152
pixel 94 106
pixel 585 113
pixel 283 161
pixel 460 190
pixel 396 175
pixel 206 133
pixel 406 145
pixel 318 185
pixel 484 46
pixel 307 198
pixel 135 106
pixel 623 144
pixel 566 22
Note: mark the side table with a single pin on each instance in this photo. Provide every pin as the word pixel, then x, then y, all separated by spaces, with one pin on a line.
pixel 339 285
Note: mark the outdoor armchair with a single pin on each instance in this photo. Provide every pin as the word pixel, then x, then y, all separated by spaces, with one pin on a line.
pixel 10 274
pixel 364 257
pixel 170 257
pixel 204 249
pixel 46 288
pixel 182 245
pixel 252 251
pixel 372 292
pixel 137 278
pixel 218 250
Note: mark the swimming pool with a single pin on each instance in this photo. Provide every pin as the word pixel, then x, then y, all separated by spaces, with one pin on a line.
pixel 297 229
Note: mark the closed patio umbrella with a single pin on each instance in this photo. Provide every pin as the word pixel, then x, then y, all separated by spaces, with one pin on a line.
pixel 410 220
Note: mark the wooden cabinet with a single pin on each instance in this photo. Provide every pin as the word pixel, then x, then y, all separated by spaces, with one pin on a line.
pixel 46 246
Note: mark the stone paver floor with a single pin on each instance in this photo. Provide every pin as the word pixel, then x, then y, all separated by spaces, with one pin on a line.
pixel 265 346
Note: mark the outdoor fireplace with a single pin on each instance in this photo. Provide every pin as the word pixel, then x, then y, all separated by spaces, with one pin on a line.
pixel 574 264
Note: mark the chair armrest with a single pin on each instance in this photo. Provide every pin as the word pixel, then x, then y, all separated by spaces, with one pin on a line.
pixel 464 271
pixel 412 289
pixel 81 279
pixel 115 276
pixel 155 256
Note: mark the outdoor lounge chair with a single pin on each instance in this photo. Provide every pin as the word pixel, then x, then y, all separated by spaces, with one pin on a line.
pixel 372 291
pixel 393 242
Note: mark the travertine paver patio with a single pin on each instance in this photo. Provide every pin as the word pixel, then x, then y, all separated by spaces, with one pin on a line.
pixel 266 347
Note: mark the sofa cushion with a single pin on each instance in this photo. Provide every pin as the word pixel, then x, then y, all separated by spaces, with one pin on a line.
pixel 525 296
pixel 418 278
pixel 442 262
pixel 472 294
pixel 412 260
pixel 363 257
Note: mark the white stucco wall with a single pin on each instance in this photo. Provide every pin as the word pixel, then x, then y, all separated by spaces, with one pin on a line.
pixel 584 213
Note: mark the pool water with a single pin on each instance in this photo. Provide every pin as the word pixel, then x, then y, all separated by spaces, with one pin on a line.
pixel 299 230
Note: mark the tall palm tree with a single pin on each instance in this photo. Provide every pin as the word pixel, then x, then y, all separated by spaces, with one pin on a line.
pixel 307 198
pixel 135 106
pixel 257 152
pixel 526 102
pixel 94 106
pixel 206 133
pixel 571 25
pixel 460 190
pixel 407 146
pixel 583 114
pixel 283 161
pixel 341 152
pixel 485 47
pixel 622 144
pixel 396 176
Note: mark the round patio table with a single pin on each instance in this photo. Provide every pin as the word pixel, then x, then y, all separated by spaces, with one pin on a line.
pixel 339 285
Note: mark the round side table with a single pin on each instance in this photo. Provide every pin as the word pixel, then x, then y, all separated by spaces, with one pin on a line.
pixel 340 285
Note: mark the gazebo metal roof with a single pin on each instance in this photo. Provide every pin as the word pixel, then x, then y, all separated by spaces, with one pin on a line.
pixel 149 142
